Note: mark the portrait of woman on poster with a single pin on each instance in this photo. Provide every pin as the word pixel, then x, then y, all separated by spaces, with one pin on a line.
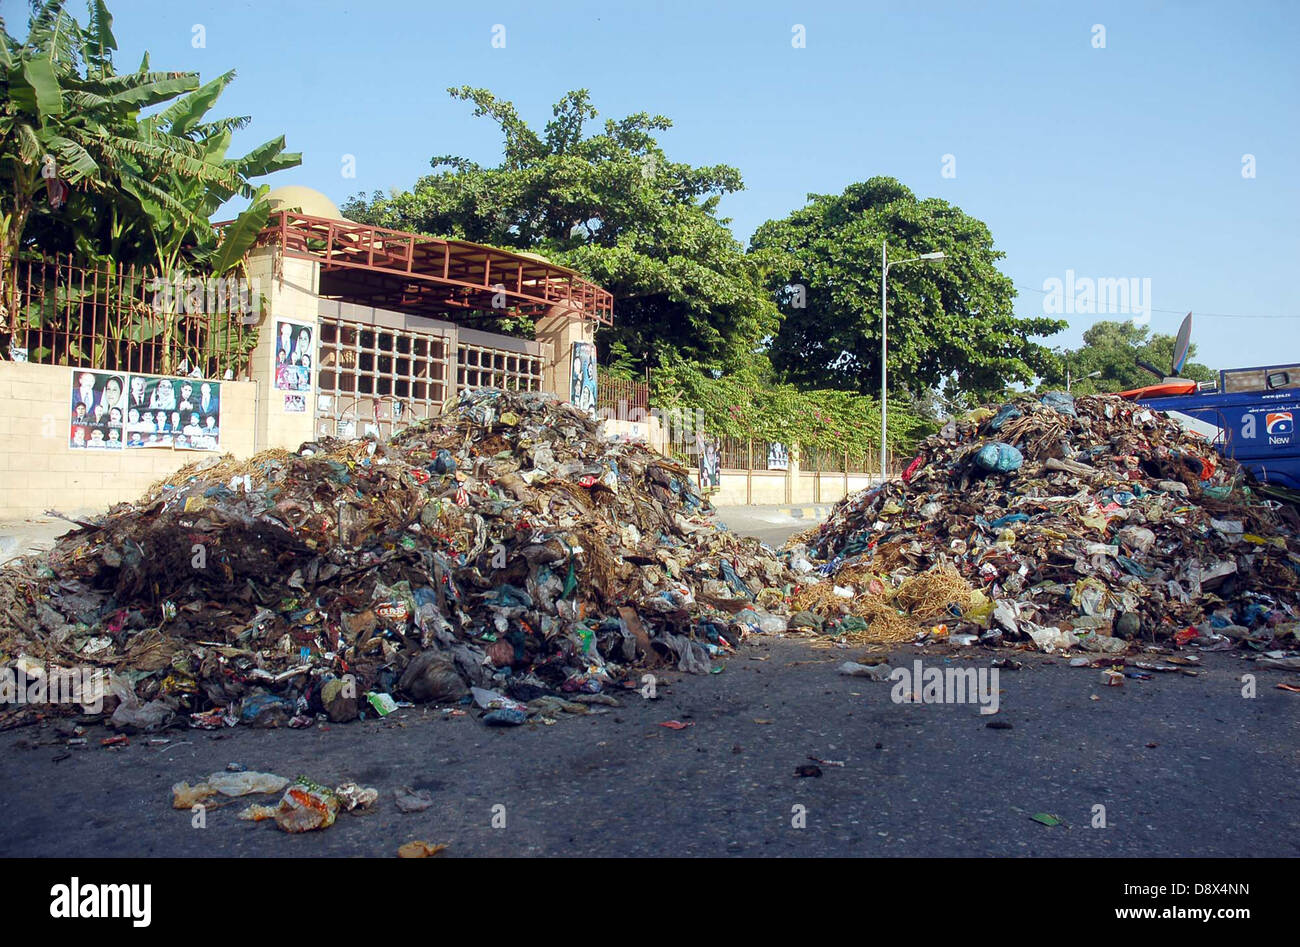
pixel 109 398
pixel 164 395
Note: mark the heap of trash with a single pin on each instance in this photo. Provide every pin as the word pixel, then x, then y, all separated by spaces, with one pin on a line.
pixel 503 553
pixel 1057 523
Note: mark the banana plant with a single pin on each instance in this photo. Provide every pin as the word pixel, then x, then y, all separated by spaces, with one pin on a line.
pixel 67 117
pixel 178 206
pixel 147 181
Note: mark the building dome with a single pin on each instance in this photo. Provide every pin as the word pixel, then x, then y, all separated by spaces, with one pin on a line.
pixel 307 200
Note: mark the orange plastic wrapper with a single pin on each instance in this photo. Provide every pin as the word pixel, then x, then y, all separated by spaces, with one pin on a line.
pixel 420 850
pixel 304 808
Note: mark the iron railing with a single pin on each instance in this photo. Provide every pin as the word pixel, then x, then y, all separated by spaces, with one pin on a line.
pixel 621 394
pixel 130 319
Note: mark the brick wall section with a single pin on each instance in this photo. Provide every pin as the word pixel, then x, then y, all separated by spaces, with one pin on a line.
pixel 38 471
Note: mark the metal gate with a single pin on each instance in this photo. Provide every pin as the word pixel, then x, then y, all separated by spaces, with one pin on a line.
pixel 377 380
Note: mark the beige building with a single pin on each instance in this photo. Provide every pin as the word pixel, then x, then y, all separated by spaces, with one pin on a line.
pixel 360 330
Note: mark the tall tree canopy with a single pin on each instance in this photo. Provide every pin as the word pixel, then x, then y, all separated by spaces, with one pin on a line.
pixel 1113 348
pixel 949 320
pixel 611 205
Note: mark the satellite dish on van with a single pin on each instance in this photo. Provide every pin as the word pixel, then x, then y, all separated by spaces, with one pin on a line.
pixel 1181 344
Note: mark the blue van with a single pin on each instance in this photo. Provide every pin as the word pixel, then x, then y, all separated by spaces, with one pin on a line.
pixel 1249 415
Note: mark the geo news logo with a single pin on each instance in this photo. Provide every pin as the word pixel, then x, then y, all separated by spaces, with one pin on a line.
pixel 1279 425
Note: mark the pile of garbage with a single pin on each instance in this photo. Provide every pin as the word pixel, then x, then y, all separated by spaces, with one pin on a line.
pixel 1094 523
pixel 504 547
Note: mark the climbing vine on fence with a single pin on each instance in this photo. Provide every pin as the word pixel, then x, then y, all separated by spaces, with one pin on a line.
pixel 750 406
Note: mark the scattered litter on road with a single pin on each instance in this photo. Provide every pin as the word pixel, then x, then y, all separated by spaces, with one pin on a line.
pixel 412 800
pixel 420 850
pixel 305 807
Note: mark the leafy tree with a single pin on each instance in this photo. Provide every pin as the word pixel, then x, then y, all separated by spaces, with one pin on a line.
pixel 611 205
pixel 164 174
pixel 1112 348
pixel 950 322
pixel 139 188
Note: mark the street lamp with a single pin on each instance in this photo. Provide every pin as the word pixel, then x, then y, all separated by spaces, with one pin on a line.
pixel 1096 374
pixel 884 337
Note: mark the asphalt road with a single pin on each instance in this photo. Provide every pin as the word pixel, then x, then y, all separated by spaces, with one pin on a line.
pixel 772 524
pixel 1182 766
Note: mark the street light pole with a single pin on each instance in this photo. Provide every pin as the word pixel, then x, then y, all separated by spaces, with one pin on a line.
pixel 1096 374
pixel 884 341
pixel 884 353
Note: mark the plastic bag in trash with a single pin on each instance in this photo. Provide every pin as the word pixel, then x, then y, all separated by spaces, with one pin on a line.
pixel 151 716
pixel 997 457
pixel 1059 401
pixel 1008 412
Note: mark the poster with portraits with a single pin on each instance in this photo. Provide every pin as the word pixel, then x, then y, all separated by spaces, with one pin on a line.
pixel 293 356
pixel 117 411
pixel 582 377
pixel 710 462
pixel 778 457
pixel 98 409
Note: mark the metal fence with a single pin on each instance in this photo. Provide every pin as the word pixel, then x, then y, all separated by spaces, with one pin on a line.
pixel 738 454
pixel 622 394
pixel 130 320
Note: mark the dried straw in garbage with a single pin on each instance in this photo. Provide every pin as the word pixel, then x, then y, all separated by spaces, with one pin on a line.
pixel 804 536
pixel 928 596
pixel 884 623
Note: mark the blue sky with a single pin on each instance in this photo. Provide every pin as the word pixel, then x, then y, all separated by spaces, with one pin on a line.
pixel 1123 161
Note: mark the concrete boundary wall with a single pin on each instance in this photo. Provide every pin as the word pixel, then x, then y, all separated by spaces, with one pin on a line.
pixel 769 487
pixel 39 471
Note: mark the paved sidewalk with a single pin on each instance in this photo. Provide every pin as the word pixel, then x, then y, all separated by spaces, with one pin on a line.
pixel 23 537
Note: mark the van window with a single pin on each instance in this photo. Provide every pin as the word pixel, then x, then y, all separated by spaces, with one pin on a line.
pixel 1259 379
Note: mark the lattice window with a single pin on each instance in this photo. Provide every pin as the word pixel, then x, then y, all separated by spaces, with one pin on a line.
pixel 376 379
pixel 480 367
